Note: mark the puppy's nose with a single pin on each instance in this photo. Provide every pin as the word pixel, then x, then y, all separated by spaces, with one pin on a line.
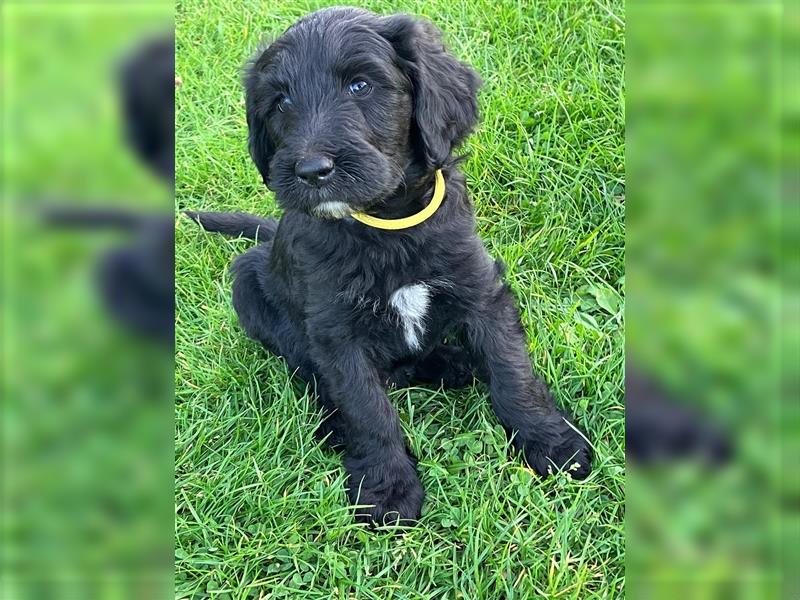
pixel 314 170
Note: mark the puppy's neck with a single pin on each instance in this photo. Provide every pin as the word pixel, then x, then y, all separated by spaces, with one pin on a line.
pixel 410 197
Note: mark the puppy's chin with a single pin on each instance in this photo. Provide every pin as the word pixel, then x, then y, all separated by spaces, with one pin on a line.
pixel 329 202
pixel 331 209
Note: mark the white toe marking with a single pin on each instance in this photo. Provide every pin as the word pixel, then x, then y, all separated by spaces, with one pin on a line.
pixel 411 304
pixel 332 210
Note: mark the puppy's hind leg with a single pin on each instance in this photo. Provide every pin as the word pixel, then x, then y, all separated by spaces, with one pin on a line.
pixel 261 314
pixel 448 365
pixel 266 320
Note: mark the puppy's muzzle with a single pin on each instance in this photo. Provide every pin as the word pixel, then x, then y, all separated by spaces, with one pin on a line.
pixel 314 170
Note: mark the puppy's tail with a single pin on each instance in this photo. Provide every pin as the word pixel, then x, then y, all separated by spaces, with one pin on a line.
pixel 236 224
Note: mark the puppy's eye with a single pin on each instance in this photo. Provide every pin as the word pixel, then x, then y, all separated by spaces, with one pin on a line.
pixel 359 88
pixel 284 103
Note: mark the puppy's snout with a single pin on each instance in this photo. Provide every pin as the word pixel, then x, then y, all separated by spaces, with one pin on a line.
pixel 314 170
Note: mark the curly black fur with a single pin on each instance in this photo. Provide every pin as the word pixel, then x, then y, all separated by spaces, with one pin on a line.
pixel 318 290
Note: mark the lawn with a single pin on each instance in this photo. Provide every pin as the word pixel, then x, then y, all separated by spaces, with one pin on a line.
pixel 260 505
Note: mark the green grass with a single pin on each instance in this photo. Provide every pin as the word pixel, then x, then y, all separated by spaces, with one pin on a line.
pixel 260 505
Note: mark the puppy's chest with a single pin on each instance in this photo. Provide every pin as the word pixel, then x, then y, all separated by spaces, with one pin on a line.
pixel 409 311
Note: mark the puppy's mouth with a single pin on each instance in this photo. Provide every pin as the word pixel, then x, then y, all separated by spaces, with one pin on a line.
pixel 329 203
pixel 359 180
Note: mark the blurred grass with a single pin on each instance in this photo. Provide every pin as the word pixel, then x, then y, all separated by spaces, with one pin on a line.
pixel 260 506
pixel 86 410
pixel 709 210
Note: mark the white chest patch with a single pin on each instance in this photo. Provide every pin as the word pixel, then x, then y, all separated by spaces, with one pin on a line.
pixel 411 303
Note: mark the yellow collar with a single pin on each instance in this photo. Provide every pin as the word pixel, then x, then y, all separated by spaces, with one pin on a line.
pixel 406 222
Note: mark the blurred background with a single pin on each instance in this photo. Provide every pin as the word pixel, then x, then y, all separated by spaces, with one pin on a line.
pixel 712 300
pixel 712 305
pixel 87 300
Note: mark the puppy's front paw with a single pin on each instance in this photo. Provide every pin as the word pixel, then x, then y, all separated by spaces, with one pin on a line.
pixel 386 492
pixel 556 444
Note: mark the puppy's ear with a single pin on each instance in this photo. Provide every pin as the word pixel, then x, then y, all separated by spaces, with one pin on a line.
pixel 260 143
pixel 445 89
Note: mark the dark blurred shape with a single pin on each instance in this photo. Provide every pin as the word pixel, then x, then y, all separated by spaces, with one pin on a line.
pixel 147 89
pixel 660 429
pixel 136 280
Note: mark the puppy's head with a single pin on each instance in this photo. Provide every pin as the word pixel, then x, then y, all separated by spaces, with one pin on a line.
pixel 345 102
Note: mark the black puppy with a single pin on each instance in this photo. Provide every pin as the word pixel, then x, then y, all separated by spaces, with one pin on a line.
pixel 354 116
